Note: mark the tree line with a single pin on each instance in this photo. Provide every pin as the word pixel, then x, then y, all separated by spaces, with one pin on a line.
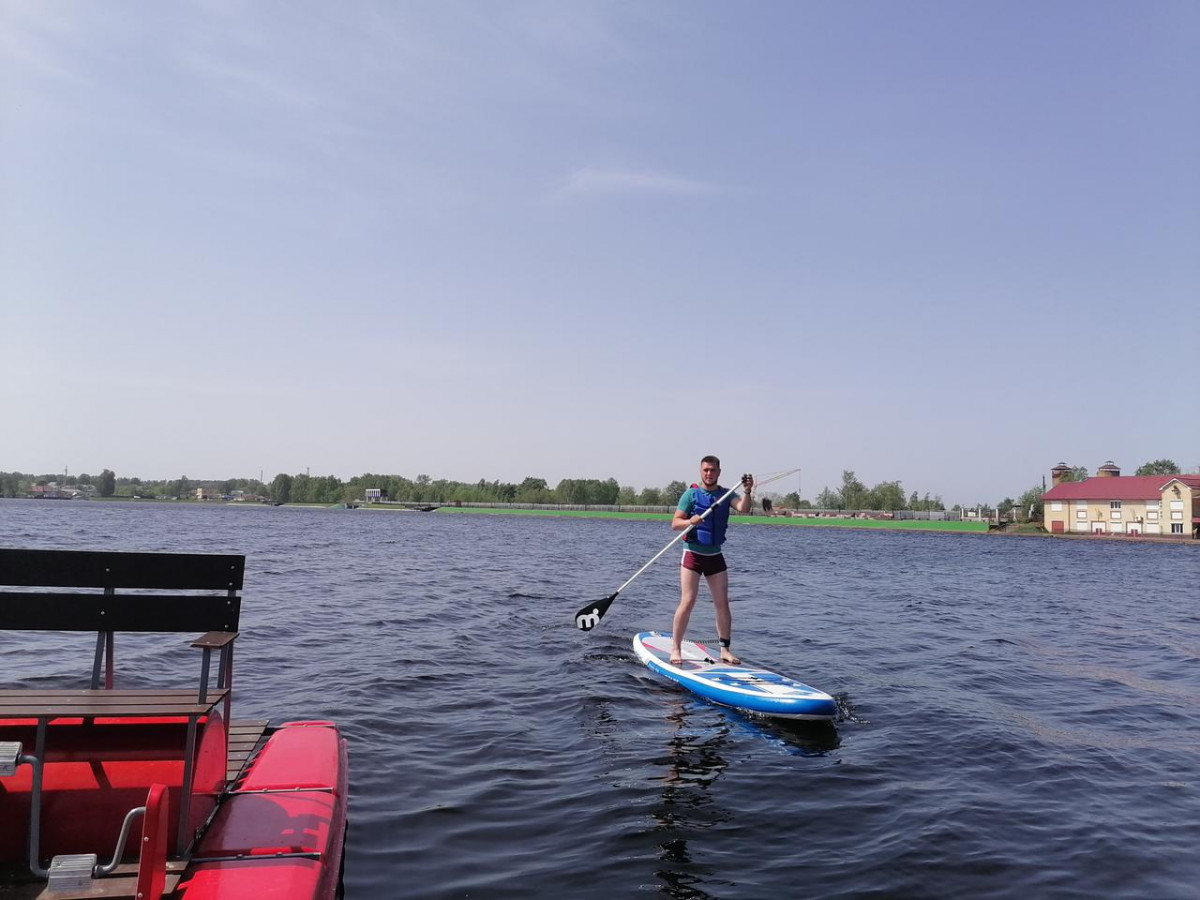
pixel 887 496
pixel 328 489
pixel 18 484
pixel 850 494
pixel 424 489
pixel 306 488
pixel 107 484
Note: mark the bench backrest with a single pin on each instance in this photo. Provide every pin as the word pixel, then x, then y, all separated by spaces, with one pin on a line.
pixel 117 591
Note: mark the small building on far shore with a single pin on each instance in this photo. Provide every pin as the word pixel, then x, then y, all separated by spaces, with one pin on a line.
pixel 1112 503
pixel 50 491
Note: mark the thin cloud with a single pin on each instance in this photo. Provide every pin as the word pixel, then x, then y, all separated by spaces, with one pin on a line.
pixel 239 81
pixel 593 182
pixel 29 36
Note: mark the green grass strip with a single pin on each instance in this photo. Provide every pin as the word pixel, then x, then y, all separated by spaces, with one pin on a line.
pixel 894 524
pixel 821 522
pixel 571 513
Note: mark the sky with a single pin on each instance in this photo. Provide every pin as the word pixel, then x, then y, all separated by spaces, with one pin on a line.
pixel 949 244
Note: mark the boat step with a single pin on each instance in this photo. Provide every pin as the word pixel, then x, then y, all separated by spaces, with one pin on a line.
pixel 71 872
pixel 10 757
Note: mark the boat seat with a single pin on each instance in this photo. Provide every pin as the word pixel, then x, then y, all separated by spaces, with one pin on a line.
pixel 84 703
pixel 99 751
pixel 100 740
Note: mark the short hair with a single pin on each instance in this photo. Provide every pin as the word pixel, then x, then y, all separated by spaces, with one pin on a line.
pixel 712 460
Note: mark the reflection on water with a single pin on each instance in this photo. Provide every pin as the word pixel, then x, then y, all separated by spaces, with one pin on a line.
pixel 694 762
pixel 795 737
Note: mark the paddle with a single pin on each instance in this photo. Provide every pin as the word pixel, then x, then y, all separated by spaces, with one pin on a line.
pixel 589 617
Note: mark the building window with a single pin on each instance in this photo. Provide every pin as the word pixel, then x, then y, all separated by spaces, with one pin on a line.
pixel 1176 528
pixel 1176 504
pixel 1152 514
pixel 1081 513
pixel 1056 506
pixel 1114 504
pixel 1152 504
pixel 1176 515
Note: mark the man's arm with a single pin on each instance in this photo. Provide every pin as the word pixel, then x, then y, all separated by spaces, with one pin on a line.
pixel 745 502
pixel 682 521
pixel 683 518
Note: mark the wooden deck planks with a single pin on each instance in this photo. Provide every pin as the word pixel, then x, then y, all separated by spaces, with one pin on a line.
pixel 121 885
pixel 246 738
pixel 83 703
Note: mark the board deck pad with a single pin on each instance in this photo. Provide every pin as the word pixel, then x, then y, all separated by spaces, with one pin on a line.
pixel 746 687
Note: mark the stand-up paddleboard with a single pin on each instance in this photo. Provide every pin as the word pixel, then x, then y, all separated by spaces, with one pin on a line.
pixel 744 687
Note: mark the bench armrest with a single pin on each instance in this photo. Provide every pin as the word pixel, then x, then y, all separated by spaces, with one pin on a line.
pixel 215 640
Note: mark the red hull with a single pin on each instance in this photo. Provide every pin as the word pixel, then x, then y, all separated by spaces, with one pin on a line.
pixel 291 801
pixel 148 792
pixel 277 833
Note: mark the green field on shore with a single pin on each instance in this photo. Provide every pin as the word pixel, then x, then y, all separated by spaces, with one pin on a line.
pixel 824 521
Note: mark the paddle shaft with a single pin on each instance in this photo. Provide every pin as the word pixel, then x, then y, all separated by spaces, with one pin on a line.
pixel 729 493
pixel 589 617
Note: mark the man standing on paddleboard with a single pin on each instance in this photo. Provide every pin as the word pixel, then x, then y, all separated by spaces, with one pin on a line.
pixel 703 554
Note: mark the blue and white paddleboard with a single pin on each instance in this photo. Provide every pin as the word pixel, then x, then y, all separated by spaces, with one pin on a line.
pixel 744 687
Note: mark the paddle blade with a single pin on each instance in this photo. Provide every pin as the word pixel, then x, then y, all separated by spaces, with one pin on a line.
pixel 589 617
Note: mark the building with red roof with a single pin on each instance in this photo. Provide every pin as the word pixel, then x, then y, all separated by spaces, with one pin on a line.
pixel 1112 503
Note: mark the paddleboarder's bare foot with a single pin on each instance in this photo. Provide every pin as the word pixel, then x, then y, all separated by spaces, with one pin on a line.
pixel 729 659
pixel 676 659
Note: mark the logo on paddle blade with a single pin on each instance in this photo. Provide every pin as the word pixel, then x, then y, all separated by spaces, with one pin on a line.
pixel 588 621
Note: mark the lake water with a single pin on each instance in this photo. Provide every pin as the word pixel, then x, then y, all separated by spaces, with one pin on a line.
pixel 1020 716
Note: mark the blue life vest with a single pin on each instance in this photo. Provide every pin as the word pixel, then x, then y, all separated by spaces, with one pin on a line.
pixel 711 531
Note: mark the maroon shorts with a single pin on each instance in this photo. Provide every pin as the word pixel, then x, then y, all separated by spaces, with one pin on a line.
pixel 704 564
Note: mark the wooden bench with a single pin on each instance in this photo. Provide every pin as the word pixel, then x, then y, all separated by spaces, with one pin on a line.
pixel 107 593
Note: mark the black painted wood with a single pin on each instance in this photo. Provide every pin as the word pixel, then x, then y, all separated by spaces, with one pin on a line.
pixel 103 582
pixel 107 569
pixel 37 611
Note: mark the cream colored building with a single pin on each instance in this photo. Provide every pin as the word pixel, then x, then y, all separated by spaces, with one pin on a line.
pixel 1112 503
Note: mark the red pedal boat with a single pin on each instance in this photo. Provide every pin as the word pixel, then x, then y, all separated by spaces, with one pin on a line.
pixel 108 792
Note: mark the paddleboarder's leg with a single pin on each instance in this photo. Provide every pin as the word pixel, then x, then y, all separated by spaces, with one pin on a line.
pixel 689 587
pixel 718 586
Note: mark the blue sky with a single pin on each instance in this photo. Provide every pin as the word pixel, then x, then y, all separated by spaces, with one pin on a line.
pixel 943 243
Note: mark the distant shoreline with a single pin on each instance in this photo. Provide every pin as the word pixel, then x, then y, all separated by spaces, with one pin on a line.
pixel 811 521
pixel 919 525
